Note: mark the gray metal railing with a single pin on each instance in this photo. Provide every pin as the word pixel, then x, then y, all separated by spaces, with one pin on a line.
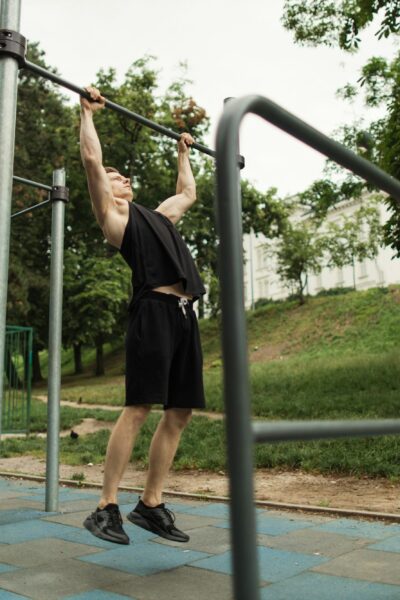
pixel 241 432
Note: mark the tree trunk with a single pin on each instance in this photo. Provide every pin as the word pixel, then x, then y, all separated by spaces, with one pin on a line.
pixel 36 371
pixel 78 358
pixel 99 359
pixel 201 307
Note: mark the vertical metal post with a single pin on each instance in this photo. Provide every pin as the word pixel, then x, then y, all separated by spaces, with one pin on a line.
pixel 10 11
pixel 55 330
pixel 237 400
pixel 251 269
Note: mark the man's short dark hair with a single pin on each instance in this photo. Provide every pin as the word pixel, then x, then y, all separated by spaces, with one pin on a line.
pixel 110 170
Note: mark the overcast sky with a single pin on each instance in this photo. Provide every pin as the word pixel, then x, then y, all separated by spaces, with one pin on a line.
pixel 232 48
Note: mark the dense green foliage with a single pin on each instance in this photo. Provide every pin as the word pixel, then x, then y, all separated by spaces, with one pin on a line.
pixel 338 23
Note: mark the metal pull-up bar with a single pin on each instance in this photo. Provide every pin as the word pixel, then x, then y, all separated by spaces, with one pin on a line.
pixel 13 44
pixel 241 433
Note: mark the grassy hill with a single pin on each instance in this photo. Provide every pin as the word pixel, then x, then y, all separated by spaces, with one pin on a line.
pixel 342 325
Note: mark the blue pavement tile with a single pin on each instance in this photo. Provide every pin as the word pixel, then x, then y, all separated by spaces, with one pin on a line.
pixel 4 568
pixel 6 595
pixel 312 586
pixel 97 595
pixel 391 544
pixel 14 533
pixel 358 529
pixel 275 565
pixel 214 509
pixel 144 559
pixel 64 495
pixel 22 514
pixel 271 525
pixel 128 497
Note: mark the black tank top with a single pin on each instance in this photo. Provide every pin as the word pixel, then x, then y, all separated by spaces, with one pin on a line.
pixel 157 254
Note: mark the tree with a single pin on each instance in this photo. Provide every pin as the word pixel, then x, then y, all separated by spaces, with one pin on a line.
pixel 299 251
pixel 308 243
pixel 97 301
pixel 42 142
pixel 339 22
pixel 317 22
pixel 356 237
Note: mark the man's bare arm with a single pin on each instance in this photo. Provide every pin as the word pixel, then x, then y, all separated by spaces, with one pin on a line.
pixel 92 158
pixel 175 206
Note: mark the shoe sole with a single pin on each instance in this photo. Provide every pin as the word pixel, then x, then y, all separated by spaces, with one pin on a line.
pixel 137 519
pixel 90 526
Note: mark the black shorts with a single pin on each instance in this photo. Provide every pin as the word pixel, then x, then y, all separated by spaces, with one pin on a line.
pixel 164 361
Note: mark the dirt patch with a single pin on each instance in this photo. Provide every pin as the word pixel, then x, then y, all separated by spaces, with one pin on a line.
pixel 266 352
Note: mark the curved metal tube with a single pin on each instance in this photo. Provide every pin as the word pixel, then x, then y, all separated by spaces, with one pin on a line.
pixel 240 435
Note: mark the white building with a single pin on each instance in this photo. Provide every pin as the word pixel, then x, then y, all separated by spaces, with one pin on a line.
pixel 261 280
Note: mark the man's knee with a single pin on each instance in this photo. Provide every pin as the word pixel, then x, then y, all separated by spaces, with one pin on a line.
pixel 137 413
pixel 178 417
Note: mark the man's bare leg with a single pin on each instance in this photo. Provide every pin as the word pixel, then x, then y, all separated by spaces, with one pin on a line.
pixel 119 450
pixel 163 448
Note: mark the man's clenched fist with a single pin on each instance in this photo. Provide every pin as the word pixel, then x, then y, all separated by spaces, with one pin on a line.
pixel 98 102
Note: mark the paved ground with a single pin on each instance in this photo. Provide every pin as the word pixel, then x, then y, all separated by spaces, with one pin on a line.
pixel 48 556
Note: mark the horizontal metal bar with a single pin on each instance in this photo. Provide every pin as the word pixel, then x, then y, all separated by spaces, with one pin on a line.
pixel 34 184
pixel 30 208
pixel 115 107
pixel 280 431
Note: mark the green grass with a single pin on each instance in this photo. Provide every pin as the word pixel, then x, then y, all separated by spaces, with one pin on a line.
pixel 339 358
pixel 203 447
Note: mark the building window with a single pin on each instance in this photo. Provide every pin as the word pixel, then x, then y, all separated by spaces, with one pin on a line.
pixel 363 269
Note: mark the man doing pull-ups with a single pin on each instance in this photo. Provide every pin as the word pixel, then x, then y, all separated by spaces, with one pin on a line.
pixel 163 351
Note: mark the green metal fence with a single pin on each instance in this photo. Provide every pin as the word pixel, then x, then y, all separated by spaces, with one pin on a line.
pixel 17 380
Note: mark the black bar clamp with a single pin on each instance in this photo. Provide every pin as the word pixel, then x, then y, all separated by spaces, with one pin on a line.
pixel 13 44
pixel 59 192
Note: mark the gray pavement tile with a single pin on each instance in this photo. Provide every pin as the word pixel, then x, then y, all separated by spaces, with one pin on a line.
pixel 188 522
pixel 204 539
pixel 39 552
pixel 314 586
pixel 17 504
pixel 75 505
pixel 16 516
pixel 314 542
pixel 97 594
pixel 63 577
pixel 183 583
pixel 73 518
pixel 369 565
pixel 144 558
pixel 7 494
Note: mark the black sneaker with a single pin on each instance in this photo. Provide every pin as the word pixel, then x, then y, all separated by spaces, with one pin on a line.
pixel 106 523
pixel 158 520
